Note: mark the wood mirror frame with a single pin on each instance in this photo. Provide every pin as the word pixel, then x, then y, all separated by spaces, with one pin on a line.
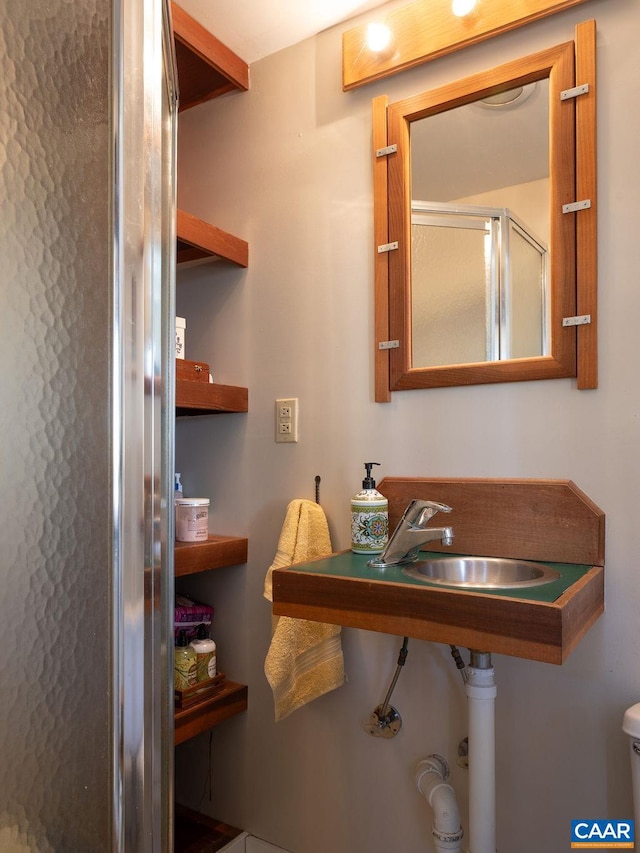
pixel 574 266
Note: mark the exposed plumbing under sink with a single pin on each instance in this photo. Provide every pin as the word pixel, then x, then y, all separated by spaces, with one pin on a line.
pixel 402 549
pixel 431 774
pixel 431 778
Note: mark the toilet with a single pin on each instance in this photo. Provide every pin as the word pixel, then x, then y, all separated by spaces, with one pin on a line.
pixel 631 726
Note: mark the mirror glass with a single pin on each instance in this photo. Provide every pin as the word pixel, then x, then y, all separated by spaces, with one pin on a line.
pixel 485 267
pixel 480 230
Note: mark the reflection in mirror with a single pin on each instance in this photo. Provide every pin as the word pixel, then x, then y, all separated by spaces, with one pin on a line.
pixel 479 246
pixel 478 286
pixel 485 270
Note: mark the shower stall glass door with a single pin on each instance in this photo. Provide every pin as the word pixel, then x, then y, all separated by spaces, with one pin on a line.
pixel 87 126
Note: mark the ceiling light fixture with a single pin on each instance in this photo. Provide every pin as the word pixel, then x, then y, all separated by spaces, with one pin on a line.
pixel 378 37
pixel 460 8
pixel 508 98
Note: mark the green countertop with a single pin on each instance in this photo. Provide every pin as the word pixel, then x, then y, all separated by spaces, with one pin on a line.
pixel 354 566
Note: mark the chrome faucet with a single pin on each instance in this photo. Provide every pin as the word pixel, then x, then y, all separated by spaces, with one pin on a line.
pixel 412 533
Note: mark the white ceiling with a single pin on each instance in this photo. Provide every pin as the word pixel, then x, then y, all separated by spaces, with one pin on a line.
pixel 256 28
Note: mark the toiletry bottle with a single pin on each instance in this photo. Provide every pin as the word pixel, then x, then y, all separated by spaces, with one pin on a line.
pixel 205 650
pixel 177 494
pixel 369 517
pixel 184 667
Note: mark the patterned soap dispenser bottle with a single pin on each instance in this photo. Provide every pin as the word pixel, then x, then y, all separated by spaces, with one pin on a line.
pixel 369 517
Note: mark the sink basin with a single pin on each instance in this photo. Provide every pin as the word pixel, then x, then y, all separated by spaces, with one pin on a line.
pixel 481 572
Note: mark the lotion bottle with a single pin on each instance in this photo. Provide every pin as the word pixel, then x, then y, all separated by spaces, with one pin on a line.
pixel 369 517
pixel 205 650
pixel 184 672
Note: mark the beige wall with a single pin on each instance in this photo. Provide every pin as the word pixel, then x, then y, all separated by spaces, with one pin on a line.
pixel 529 202
pixel 287 166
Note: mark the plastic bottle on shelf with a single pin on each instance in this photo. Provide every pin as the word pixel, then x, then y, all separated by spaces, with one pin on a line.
pixel 177 494
pixel 184 668
pixel 369 517
pixel 205 650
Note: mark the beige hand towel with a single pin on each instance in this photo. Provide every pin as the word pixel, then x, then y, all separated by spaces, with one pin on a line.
pixel 305 659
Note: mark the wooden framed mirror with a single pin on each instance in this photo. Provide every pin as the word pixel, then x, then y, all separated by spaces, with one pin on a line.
pixel 558 346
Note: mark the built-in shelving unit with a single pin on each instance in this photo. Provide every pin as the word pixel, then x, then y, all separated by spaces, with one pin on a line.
pixel 201 398
pixel 206 69
pixel 217 552
pixel 198 240
pixel 229 700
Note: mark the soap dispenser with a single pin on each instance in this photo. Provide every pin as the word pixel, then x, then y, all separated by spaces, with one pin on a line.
pixel 369 517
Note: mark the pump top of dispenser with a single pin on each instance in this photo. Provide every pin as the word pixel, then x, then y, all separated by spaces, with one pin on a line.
pixel 369 482
pixel 182 639
pixel 201 633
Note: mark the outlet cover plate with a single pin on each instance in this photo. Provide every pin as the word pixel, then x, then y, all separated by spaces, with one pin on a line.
pixel 287 420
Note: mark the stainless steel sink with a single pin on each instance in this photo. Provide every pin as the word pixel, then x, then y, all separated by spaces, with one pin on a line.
pixel 483 572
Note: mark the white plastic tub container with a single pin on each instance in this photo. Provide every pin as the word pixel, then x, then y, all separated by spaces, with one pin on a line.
pixel 192 519
pixel 181 336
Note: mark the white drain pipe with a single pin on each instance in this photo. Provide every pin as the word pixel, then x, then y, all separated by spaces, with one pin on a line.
pixel 481 693
pixel 431 776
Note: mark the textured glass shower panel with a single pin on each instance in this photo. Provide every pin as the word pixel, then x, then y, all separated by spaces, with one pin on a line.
pixel 450 295
pixel 478 286
pixel 55 525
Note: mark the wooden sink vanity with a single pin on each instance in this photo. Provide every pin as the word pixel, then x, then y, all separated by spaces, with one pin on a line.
pixel 549 521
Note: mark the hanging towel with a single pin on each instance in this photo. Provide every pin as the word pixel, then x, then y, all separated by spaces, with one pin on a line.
pixel 305 659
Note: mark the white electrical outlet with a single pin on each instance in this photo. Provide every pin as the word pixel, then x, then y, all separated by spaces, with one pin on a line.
pixel 287 420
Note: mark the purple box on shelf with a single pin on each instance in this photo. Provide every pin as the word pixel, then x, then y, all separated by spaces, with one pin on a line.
pixel 189 614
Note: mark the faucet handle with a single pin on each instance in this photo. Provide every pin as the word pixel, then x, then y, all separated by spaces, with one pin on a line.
pixel 423 511
pixel 412 533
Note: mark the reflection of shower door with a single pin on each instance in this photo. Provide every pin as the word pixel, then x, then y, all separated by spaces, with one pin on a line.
pixel 525 260
pixel 453 297
pixel 478 290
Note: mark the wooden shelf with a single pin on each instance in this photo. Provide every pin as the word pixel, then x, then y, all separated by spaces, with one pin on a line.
pixel 219 551
pixel 197 833
pixel 209 398
pixel 198 239
pixel 206 67
pixel 230 700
